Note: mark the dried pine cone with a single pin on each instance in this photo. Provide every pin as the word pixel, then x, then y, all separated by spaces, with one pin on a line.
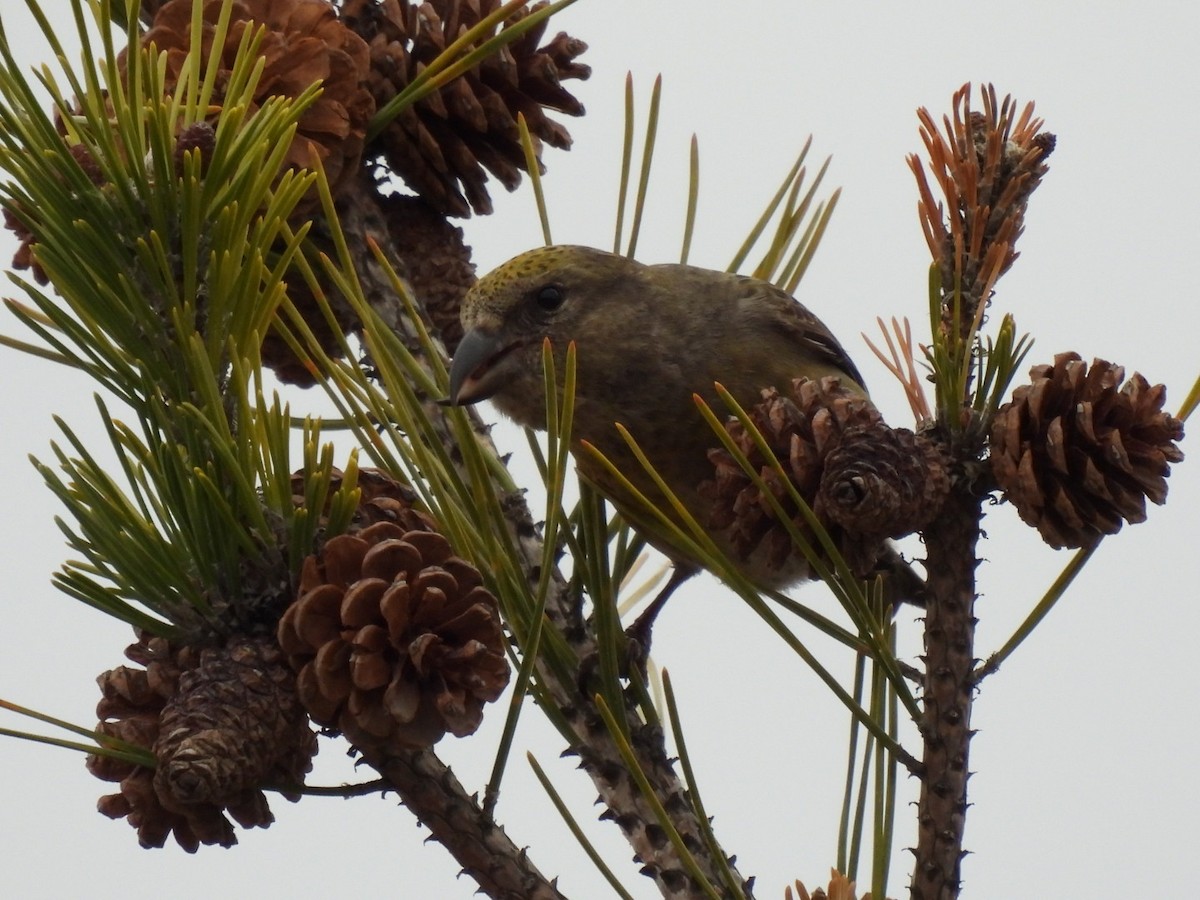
pixel 382 499
pixel 1077 453
pixel 442 146
pixel 234 724
pixel 395 640
pixel 427 251
pixel 802 430
pixel 327 313
pixel 437 264
pixel 15 221
pixel 304 43
pixel 199 137
pixel 220 721
pixel 882 481
pixel 18 219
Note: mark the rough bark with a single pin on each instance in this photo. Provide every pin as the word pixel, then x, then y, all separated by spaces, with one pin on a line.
pixel 455 819
pixel 946 722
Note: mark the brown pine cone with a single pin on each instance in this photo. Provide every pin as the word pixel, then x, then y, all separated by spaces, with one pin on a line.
pixel 18 217
pixel 234 724
pixel 802 429
pixel 887 482
pixel 428 252
pixel 15 221
pixel 442 146
pixel 437 264
pixel 383 499
pixel 305 42
pixel 200 138
pixel 395 640
pixel 215 712
pixel 1077 453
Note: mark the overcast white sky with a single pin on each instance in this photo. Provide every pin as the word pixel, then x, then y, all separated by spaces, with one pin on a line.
pixel 1086 780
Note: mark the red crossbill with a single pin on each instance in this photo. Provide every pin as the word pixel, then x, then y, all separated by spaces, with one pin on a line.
pixel 647 338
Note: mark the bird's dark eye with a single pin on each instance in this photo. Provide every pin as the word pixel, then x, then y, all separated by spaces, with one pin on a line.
pixel 550 297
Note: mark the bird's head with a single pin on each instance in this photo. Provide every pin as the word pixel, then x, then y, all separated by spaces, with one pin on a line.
pixel 552 292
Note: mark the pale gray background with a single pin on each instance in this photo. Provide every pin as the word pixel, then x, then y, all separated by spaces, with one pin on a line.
pixel 1086 782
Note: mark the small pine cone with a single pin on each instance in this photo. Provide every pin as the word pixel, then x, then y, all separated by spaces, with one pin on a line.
pixel 382 499
pixel 19 220
pixel 395 640
pixel 437 263
pixel 304 43
pixel 279 357
pixel 234 724
pixel 16 219
pixel 442 146
pixel 883 481
pixel 328 315
pixel 182 705
pixel 130 708
pixel 199 137
pixel 87 163
pixel 1077 453
pixel 802 430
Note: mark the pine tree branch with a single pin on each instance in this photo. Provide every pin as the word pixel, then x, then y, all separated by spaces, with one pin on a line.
pixel 364 224
pixel 457 821
pixel 950 543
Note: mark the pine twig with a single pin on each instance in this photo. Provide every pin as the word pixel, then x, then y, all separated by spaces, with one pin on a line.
pixel 950 543
pixel 598 751
pixel 456 820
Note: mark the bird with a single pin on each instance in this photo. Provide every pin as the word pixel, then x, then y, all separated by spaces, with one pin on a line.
pixel 647 339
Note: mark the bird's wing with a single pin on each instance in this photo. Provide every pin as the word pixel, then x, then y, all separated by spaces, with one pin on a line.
pixel 797 323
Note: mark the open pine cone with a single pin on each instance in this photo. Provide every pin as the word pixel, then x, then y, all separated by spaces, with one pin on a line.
pixel 802 429
pixel 382 499
pixel 394 638
pixel 17 215
pixel 864 480
pixel 1077 453
pixel 442 146
pixel 305 42
pixel 221 722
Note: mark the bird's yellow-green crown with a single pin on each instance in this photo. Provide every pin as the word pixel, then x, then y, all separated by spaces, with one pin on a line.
pixel 534 262
pixel 522 268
